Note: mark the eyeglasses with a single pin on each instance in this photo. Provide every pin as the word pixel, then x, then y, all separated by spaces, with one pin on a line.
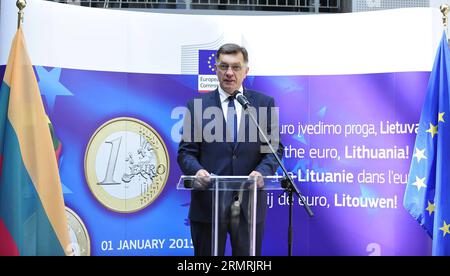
pixel 224 67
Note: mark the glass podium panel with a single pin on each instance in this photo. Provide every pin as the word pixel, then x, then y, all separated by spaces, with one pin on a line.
pixel 235 205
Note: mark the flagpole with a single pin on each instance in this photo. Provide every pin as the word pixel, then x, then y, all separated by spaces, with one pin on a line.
pixel 21 4
pixel 444 10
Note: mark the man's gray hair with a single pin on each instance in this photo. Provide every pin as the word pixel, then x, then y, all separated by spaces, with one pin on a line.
pixel 231 48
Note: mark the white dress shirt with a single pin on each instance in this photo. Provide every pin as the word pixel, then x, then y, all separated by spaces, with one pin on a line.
pixel 224 102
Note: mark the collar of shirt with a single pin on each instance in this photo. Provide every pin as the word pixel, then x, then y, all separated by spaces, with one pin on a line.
pixel 224 95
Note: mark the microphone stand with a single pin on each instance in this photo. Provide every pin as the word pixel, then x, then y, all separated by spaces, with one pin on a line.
pixel 286 183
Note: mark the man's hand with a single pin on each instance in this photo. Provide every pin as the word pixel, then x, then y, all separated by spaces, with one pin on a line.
pixel 259 178
pixel 203 179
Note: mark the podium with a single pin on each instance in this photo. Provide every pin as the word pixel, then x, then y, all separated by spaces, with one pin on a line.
pixel 236 201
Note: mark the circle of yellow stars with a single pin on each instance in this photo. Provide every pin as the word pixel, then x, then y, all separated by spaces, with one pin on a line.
pixel 420 154
pixel 210 62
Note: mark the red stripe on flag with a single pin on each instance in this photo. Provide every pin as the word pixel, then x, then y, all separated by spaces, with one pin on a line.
pixel 57 152
pixel 7 245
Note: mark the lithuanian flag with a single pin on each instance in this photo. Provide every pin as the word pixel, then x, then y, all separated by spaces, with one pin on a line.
pixel 32 212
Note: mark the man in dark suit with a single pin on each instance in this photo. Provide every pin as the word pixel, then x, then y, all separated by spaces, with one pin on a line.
pixel 232 152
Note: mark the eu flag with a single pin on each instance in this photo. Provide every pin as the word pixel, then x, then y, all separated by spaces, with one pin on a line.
pixel 206 62
pixel 427 195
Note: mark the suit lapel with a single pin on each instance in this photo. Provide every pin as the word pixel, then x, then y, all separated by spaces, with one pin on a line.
pixel 218 103
pixel 216 98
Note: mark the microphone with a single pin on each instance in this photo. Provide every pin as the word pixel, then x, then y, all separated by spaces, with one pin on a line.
pixel 242 100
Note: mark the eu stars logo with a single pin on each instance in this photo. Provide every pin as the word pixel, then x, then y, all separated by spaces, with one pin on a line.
pixel 126 165
pixel 207 79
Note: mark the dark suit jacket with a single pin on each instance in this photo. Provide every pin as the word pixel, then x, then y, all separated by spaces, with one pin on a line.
pixel 221 158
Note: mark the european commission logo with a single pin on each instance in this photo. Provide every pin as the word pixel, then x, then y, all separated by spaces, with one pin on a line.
pixel 207 79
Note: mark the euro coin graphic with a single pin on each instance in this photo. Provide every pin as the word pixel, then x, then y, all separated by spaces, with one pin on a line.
pixel 126 165
pixel 79 237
